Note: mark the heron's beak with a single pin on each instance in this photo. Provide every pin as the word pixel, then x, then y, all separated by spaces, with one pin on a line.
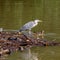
pixel 40 21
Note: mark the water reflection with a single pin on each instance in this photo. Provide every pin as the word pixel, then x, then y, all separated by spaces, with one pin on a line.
pixel 52 36
pixel 29 55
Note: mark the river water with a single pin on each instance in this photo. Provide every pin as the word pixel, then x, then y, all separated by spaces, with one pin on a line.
pixel 14 14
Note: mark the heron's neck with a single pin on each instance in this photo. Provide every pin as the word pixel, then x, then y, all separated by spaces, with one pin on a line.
pixel 36 23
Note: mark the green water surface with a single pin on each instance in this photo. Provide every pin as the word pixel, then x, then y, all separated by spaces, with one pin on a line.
pixel 15 13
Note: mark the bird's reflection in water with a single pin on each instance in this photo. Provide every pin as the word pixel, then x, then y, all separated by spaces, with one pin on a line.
pixel 29 55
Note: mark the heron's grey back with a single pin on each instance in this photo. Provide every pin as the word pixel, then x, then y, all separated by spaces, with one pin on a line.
pixel 27 26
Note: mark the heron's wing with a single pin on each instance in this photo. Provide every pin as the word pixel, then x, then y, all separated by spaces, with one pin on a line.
pixel 28 25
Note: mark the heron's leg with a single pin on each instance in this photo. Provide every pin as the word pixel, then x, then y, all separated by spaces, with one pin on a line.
pixel 29 31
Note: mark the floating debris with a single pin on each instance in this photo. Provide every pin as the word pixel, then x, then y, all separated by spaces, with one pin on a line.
pixel 18 41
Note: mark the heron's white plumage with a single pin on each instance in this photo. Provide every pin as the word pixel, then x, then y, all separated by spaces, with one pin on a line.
pixel 36 23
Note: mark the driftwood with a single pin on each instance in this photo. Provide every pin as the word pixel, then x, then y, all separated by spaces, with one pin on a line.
pixel 13 41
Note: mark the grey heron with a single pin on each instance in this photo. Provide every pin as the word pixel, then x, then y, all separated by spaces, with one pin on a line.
pixel 29 25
